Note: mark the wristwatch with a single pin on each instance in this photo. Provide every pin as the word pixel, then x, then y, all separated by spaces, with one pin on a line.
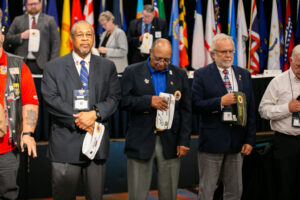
pixel 27 133
pixel 97 112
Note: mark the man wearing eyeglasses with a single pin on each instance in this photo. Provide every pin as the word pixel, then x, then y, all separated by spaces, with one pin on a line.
pixel 45 36
pixel 79 89
pixel 217 91
pixel 142 84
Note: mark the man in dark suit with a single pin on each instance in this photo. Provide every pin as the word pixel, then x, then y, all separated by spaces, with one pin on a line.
pixel 222 143
pixel 142 82
pixel 19 33
pixel 63 78
pixel 157 27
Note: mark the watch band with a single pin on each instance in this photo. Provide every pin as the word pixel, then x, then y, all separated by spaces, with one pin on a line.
pixel 27 133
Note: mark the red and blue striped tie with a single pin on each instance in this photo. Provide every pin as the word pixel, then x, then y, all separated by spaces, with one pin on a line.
pixel 84 75
pixel 227 81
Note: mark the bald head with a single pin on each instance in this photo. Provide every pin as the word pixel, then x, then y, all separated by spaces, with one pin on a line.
pixel 160 54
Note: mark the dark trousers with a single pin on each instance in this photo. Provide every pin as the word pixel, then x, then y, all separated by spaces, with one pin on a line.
pixel 9 165
pixel 33 66
pixel 287 166
pixel 65 178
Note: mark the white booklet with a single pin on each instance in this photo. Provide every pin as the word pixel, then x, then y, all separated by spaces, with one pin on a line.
pixel 91 143
pixel 147 43
pixel 34 40
pixel 164 118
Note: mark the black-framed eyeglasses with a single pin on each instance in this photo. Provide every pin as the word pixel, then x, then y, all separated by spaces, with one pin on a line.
pixel 82 35
pixel 159 59
pixel 33 4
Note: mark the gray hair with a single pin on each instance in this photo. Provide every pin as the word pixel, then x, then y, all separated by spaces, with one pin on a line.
pixel 148 8
pixel 78 23
pixel 219 36
pixel 296 52
pixel 106 15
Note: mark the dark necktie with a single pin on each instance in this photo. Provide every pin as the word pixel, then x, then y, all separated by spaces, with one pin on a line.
pixel 227 81
pixel 146 28
pixel 84 76
pixel 33 25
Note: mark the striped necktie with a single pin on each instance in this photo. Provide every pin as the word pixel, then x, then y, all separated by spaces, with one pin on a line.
pixel 227 81
pixel 84 75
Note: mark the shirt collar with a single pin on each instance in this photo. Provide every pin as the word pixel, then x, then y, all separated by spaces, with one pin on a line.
pixel 36 16
pixel 78 59
pixel 229 69
pixel 153 70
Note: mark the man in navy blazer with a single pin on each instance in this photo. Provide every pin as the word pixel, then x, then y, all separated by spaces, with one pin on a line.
pixel 156 26
pixel 62 78
pixel 222 144
pixel 142 82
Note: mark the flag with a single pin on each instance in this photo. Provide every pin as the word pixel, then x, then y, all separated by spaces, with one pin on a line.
pixel 76 12
pixel 198 48
pixel 183 40
pixel 232 27
pixel 139 8
pixel 297 33
pixel 88 12
pixel 254 42
pixel 65 45
pixel 242 35
pixel 217 16
pixel 44 6
pixel 210 30
pixel 274 40
pixel 52 11
pixel 24 6
pixel 101 9
pixel 119 14
pixel 263 49
pixel 289 37
pixel 281 35
pixel 174 33
pixel 161 9
pixel 5 17
pixel 155 8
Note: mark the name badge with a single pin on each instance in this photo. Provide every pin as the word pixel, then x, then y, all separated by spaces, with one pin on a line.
pixel 80 100
pixel 157 34
pixel 296 120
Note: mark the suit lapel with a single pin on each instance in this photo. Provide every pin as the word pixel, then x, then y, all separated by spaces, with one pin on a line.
pixel 40 21
pixel 71 69
pixel 218 80
pixel 93 72
pixel 238 77
pixel 170 78
pixel 147 78
pixel 111 38
pixel 26 24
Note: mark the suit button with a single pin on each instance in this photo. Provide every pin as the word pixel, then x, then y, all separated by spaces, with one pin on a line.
pixel 155 131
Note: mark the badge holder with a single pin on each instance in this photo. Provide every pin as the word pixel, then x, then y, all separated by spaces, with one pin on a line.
pixel 81 100
pixel 296 120
pixel 229 114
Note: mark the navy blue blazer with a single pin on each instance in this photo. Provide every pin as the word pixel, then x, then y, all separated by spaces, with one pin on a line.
pixel 216 136
pixel 137 91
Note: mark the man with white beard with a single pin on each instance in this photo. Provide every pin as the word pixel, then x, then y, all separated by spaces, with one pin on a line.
pixel 227 123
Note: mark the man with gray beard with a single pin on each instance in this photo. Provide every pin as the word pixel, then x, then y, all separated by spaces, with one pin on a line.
pixel 79 89
pixel 227 123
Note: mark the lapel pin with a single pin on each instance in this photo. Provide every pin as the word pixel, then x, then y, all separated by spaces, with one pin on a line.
pixel 170 72
pixel 146 81
pixel 240 77
pixel 171 83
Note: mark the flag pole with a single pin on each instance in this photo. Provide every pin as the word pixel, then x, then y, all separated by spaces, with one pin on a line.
pixel 250 29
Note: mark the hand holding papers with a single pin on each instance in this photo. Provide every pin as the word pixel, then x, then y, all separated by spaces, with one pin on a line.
pixel 91 142
pixel 147 43
pixel 164 118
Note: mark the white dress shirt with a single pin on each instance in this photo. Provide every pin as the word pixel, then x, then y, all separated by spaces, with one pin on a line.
pixel 231 77
pixel 274 104
pixel 30 54
pixel 77 59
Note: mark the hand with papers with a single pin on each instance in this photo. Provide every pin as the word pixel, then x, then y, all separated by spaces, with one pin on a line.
pixel 86 120
pixel 164 118
pixel 159 103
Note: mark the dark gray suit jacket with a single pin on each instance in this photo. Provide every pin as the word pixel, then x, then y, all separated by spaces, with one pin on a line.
pixel 49 41
pixel 60 79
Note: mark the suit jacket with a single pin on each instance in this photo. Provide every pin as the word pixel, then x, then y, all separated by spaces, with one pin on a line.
pixel 60 79
pixel 49 38
pixel 159 29
pixel 137 91
pixel 217 136
pixel 117 48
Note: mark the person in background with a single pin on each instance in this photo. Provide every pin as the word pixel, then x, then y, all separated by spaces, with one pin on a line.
pixel 281 105
pixel 113 42
pixel 145 144
pixel 17 93
pixel 155 26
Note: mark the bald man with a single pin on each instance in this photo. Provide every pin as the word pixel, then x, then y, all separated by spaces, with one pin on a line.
pixel 142 82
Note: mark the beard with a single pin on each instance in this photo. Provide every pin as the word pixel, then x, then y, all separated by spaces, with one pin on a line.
pixel 225 64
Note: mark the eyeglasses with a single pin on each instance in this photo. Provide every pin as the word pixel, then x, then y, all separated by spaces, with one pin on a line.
pixel 33 4
pixel 225 51
pixel 159 59
pixel 81 35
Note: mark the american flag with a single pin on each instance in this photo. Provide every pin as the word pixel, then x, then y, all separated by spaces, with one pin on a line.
pixel 254 40
pixel 217 16
pixel 289 37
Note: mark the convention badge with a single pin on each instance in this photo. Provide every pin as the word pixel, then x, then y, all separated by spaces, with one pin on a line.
pixel 295 120
pixel 34 40
pixel 157 34
pixel 3 69
pixel 177 95
pixel 16 89
pixel 227 115
pixel 80 100
pixel 14 70
pixel 234 118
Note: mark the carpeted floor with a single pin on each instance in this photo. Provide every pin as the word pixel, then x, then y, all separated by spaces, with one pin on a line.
pixel 183 194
